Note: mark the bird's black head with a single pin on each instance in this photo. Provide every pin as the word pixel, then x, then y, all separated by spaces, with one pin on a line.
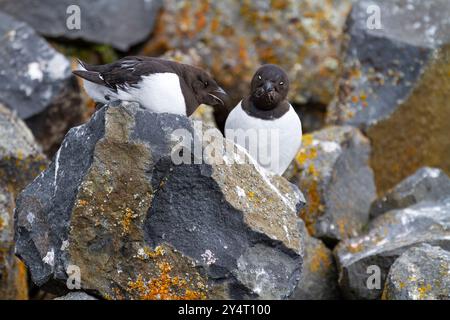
pixel 270 86
pixel 205 88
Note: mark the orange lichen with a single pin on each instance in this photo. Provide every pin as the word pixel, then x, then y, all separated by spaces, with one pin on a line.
pixel 82 202
pixel 126 221
pixel 320 260
pixel 423 291
pixel 164 287
pixel 2 223
pixel 312 210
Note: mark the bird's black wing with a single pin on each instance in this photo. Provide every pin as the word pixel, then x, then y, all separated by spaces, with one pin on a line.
pixel 127 71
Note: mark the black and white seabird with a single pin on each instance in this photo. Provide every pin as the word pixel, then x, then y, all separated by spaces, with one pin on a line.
pixel 156 84
pixel 265 123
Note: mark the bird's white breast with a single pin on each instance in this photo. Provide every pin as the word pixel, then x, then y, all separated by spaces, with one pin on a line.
pixel 158 92
pixel 272 143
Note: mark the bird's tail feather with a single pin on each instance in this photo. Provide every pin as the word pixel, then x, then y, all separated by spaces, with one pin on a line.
pixel 91 76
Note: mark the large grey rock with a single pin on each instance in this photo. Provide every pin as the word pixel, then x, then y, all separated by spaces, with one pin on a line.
pixel 426 184
pixel 395 86
pixel 388 237
pixel 20 161
pixel 118 23
pixel 76 296
pixel 420 273
pixel 138 226
pixel 36 82
pixel 319 279
pixel 332 170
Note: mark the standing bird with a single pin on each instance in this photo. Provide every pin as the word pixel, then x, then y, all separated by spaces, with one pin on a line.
pixel 156 84
pixel 265 123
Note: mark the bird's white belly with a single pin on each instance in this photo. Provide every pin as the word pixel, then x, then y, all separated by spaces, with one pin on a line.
pixel 159 92
pixel 272 143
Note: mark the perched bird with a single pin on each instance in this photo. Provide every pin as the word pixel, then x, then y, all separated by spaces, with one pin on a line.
pixel 156 84
pixel 265 123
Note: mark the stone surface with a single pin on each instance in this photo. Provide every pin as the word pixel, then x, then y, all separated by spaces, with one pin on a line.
pixel 36 82
pixel 420 273
pixel 138 226
pixel 117 23
pixel 426 184
pixel 232 38
pixel 396 86
pixel 331 165
pixel 388 237
pixel 20 161
pixel 319 279
pixel 76 296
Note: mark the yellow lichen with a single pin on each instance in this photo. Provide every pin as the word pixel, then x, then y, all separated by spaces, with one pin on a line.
pixel 320 260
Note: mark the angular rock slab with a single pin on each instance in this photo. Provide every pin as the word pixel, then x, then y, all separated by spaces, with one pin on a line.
pixel 114 204
pixel 319 279
pixel 396 86
pixel 332 170
pixel 37 83
pixel 420 273
pixel 20 161
pixel 117 23
pixel 426 184
pixel 233 37
pixel 76 296
pixel 362 259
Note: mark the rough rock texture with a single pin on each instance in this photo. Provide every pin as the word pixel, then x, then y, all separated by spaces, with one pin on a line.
pixel 234 37
pixel 426 184
pixel 319 279
pixel 331 165
pixel 396 86
pixel 421 273
pixel 138 226
pixel 76 296
pixel 118 23
pixel 20 161
pixel 36 82
pixel 205 114
pixel 389 236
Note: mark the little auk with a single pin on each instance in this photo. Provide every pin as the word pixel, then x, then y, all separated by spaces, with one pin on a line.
pixel 265 123
pixel 156 84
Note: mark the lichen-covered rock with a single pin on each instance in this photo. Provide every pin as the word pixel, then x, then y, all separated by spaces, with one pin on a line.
pixel 76 296
pixel 332 170
pixel 234 37
pixel 36 82
pixel 371 255
pixel 319 279
pixel 121 24
pixel 426 184
pixel 396 86
pixel 205 114
pixel 20 161
pixel 420 273
pixel 114 204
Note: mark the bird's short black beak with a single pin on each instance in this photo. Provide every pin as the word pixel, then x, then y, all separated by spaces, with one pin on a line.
pixel 268 86
pixel 220 96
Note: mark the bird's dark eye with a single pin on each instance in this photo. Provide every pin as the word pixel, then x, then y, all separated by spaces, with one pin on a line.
pixel 281 83
pixel 259 77
pixel 206 83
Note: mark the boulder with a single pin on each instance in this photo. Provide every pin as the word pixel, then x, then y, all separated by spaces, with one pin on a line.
pixel 234 37
pixel 395 85
pixel 420 273
pixel 118 203
pixel 20 161
pixel 117 23
pixel 364 261
pixel 319 279
pixel 426 184
pixel 37 83
pixel 331 165
pixel 76 296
